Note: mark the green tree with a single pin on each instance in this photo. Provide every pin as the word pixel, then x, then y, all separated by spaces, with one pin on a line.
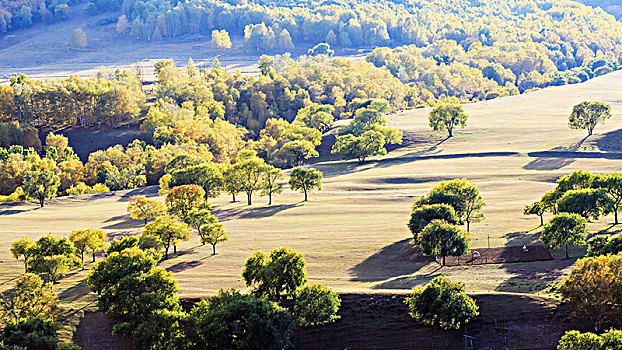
pixel 321 49
pixel 422 216
pixel 168 230
pixel 612 184
pixel 30 298
pixel 316 305
pixel 295 152
pixel 441 238
pixel 22 249
pixel 93 240
pixel 370 143
pixel 305 180
pixel 232 181
pixel 231 320
pixel 78 39
pixel 284 270
pixel 164 330
pixel 564 229
pixel 586 115
pixel 589 203
pixel 442 302
pixel 30 334
pixel 269 185
pixel 208 228
pixel 52 257
pixel 143 208
pixel 41 184
pixel 575 340
pixel 251 169
pixel 537 208
pixel 181 200
pixel 447 117
pixel 462 195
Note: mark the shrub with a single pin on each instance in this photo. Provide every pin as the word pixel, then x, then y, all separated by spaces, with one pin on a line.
pixel 316 305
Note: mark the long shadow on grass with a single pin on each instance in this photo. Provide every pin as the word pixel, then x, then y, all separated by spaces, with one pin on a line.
pixel 252 212
pixel 184 265
pixel 74 293
pixel 397 259
pixel 125 223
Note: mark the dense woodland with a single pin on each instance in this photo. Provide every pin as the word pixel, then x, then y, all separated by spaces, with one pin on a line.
pixel 15 14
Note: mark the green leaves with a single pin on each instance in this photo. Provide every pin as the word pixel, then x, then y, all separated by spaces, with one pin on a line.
pixel 586 115
pixel 283 270
pixel 564 229
pixel 305 180
pixel 447 117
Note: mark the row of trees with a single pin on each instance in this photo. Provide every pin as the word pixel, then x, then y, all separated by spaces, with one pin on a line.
pixel 129 283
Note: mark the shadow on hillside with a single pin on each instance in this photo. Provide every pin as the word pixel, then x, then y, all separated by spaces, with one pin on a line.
pixel 397 259
pixel 252 212
pixel 611 141
pixel 548 163
pixel 16 211
pixel 149 191
pixel 74 293
pixel 125 223
pixel 520 238
pixel 184 265
pixel 536 276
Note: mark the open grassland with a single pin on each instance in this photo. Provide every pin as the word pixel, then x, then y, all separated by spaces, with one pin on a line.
pixel 353 233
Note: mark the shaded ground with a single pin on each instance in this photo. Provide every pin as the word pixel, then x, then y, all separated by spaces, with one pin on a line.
pixel 95 333
pixel 499 255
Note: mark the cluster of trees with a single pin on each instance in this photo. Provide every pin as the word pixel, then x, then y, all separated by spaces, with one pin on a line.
pixel 577 198
pixel 575 340
pixel 23 13
pixel 102 100
pixel 129 283
pixel 52 257
pixel 434 218
pixel 612 6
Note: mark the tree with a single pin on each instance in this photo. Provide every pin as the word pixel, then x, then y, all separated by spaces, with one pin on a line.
pixel 316 305
pixel 220 39
pixel 142 208
pixel 575 340
pixel 208 228
pixel 30 298
pixel 284 41
pixel 604 244
pixel 447 117
pixel 305 180
pixel 232 181
pixel 589 203
pixel 295 152
pixel 31 334
pixel 231 320
pixel 462 195
pixel 207 175
pixel 564 229
pixel 441 238
pixel 95 240
pixel 78 39
pixel 442 302
pixel 123 25
pixel 250 169
pixel 41 184
pixel 118 245
pixel 537 208
pixel 321 49
pixel 284 270
pixel 164 330
pixel 181 200
pixel 269 185
pixel 612 184
pixel 370 143
pixel 593 291
pixel 53 257
pixel 22 249
pixel 168 230
pixel 422 216
pixel 586 115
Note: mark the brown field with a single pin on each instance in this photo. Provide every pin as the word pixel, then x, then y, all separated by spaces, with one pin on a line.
pixel 353 233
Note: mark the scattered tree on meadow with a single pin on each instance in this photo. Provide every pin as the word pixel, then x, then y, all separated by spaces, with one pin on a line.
pixel 284 270
pixel 232 181
pixel 586 115
pixel 537 208
pixel 370 143
pixel 208 227
pixel 256 323
pixel 181 200
pixel 564 229
pixel 593 291
pixel 422 216
pixel 207 175
pixel 143 208
pixel 439 238
pixel 78 39
pixel 93 240
pixel 270 186
pixel 589 203
pixel 22 249
pixel 30 298
pixel 305 180
pixel 612 184
pixel 52 257
pixel 447 117
pixel 442 302
pixel 220 39
pixel 168 230
pixel 315 305
pixel 41 184
pixel 250 169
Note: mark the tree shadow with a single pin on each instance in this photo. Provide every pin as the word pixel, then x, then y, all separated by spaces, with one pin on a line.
pixel 252 212
pixel 611 141
pixel 149 191
pixel 5 212
pixel 184 265
pixel 397 259
pixel 548 163
pixel 123 222
pixel 536 276
pixel 74 293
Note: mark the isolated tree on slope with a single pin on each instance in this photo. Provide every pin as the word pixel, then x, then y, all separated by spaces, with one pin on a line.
pixel 447 117
pixel 305 180
pixel 564 229
pixel 78 39
pixel 586 115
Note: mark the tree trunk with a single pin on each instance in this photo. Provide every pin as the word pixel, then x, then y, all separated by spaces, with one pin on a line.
pixel 468 225
pixel 174 248
pixel 41 200
pixel 249 198
pixel 615 215
pixel 541 220
pixel 270 198
pixel 82 257
pixel 567 256
pixel 166 253
pixel 93 256
pixel 233 197
pixel 450 131
pixel 305 194
pixel 214 248
pixel 443 260
pixel 145 221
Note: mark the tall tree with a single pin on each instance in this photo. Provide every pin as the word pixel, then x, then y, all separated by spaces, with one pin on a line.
pixel 168 230
pixel 305 180
pixel 251 169
pixel 537 208
pixel 284 270
pixel 586 115
pixel 447 117
pixel 41 184
pixel 181 200
pixel 89 239
pixel 589 203
pixel 612 184
pixel 143 208
pixel 270 186
pixel 564 229
pixel 442 239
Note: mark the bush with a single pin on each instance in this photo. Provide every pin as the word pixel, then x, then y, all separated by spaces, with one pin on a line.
pixel 603 245
pixel 316 305
pixel 32 334
pixel 442 302
pixel 575 340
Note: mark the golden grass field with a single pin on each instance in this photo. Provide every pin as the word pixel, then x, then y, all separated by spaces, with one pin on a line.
pixel 353 232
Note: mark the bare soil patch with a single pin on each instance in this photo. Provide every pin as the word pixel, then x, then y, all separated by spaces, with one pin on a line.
pixel 500 255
